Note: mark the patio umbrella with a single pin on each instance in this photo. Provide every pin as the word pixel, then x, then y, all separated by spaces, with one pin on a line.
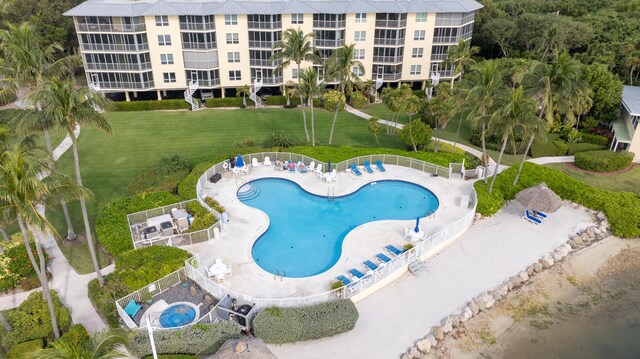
pixel 539 198
pixel 417 229
pixel 329 166
pixel 239 161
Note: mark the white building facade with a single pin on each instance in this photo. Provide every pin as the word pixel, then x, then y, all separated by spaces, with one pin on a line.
pixel 159 47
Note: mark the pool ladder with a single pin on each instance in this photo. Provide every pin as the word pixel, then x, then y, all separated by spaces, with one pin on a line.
pixel 331 194
pixel 277 274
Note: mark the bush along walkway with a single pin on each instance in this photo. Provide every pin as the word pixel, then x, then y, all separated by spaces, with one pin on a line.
pixel 71 287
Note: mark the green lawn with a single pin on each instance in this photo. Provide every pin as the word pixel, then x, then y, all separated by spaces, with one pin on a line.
pixel 623 182
pixel 380 110
pixel 140 139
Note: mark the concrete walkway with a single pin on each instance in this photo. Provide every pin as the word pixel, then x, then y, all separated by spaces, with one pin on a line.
pixel 70 286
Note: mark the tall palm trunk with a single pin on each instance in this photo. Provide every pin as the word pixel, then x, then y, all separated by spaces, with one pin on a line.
pixel 495 172
pixel 5 324
pixel 435 143
pixel 335 114
pixel 244 99
pixel 484 154
pixel 42 276
pixel 313 126
pixel 4 234
pixel 71 234
pixel 413 143
pixel 524 157
pixel 304 113
pixel 455 142
pixel 85 216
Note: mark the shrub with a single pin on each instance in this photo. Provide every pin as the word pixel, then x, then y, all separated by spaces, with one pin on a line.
pixel 200 339
pixel 561 147
pixel 228 102
pixel 10 114
pixel 306 323
pixel 151 181
pixel 418 133
pixel 15 266
pixel 358 100
pixel 112 227
pixel 279 140
pixel 31 320
pixel 178 104
pixel 621 208
pixel 24 350
pixel 330 100
pixel 202 222
pixel 419 93
pixel 77 334
pixel 595 139
pixel 282 101
pixel 581 147
pixel 603 161
pixel 214 204
pixel 171 164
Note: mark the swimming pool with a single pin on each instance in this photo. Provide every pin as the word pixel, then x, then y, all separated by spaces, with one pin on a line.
pixel 306 231
pixel 179 314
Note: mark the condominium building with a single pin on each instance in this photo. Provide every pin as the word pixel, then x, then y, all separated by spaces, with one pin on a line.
pixel 154 48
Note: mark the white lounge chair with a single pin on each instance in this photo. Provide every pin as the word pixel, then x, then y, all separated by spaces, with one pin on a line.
pixel 311 166
pixel 318 170
pixel 331 177
pixel 254 162
pixel 267 161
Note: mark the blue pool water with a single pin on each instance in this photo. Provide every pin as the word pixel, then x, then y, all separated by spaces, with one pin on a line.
pixel 177 316
pixel 306 231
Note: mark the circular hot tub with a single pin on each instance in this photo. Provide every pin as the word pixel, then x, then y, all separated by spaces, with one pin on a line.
pixel 179 314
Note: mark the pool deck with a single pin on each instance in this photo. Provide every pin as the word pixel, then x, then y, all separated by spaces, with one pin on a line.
pixel 362 243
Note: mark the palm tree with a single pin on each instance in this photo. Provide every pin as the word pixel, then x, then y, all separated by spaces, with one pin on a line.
pixel 21 191
pixel 106 344
pixel 461 56
pixel 533 127
pixel 374 128
pixel 552 43
pixel 516 109
pixel 340 67
pixel 411 106
pixel 632 62
pixel 69 108
pixel 243 91
pixel 25 63
pixel 296 47
pixel 311 87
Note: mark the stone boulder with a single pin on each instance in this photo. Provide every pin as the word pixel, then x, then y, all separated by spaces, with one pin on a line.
pixel 496 296
pixel 432 340
pixel 447 325
pixel 530 271
pixel 547 261
pixel 438 333
pixel 571 243
pixel 414 353
pixel 480 303
pixel 601 216
pixel 488 300
pixel 424 346
pixel 474 308
pixel 456 319
pixel 515 281
pixel 503 289
pixel 537 267
pixel 466 314
pixel 240 347
pixel 524 276
pixel 478 216
pixel 564 250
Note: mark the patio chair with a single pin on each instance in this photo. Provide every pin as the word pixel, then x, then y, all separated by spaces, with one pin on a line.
pixel 267 161
pixel 369 265
pixel 540 215
pixel 391 249
pixel 132 308
pixel 254 162
pixel 367 166
pixel 355 170
pixel 528 217
pixel 311 166
pixel 318 170
pixel 357 275
pixel 301 167
pixel 383 258
pixel 291 166
pixel 380 166
pixel 343 279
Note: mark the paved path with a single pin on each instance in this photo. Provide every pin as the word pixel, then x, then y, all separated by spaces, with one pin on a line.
pixel 552 159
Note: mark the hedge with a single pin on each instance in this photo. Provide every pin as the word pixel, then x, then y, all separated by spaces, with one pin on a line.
pixel 77 334
pixel 582 147
pixel 289 325
pixel 31 320
pixel 112 227
pixel 228 102
pixel 561 147
pixel 152 181
pixel 122 106
pixel 198 339
pixel 15 267
pixel 621 208
pixel 603 161
pixel 330 100
pixel 595 139
pixel 24 350
pixel 358 100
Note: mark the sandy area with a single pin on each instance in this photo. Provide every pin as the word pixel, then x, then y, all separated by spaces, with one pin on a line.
pixel 588 306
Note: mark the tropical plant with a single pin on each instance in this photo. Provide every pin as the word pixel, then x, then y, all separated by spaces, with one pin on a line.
pixel 551 43
pixel 374 128
pixel 311 86
pixel 21 190
pixel 340 68
pixel 243 91
pixel 171 164
pixel 295 47
pixel 105 344
pixel 461 57
pixel 69 107
pixel 533 127
pixel 411 106
pixel 416 134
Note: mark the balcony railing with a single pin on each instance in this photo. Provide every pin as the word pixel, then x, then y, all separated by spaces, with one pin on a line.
pixel 270 80
pixel 392 42
pixel 391 23
pixel 199 45
pixel 329 24
pixel 112 66
pixel 110 27
pixel 439 57
pixel 115 47
pixel 197 26
pixel 328 43
pixel 388 59
pixel 392 77
pixel 201 65
pixel 265 63
pixel 262 44
pixel 122 85
pixel 265 25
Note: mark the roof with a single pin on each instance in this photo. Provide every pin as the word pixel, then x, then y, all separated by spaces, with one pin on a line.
pixel 621 131
pixel 631 99
pixel 131 8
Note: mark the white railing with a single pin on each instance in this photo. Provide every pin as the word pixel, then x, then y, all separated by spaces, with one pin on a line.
pixel 257 85
pixel 188 95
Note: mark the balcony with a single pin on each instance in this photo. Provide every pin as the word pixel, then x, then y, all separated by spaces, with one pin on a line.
pixel 197 26
pixel 123 67
pixel 392 77
pixel 439 57
pixel 391 23
pixel 389 42
pixel 329 24
pixel 121 85
pixel 265 63
pixel 270 80
pixel 388 59
pixel 265 25
pixel 110 27
pixel 115 47
pixel 199 45
pixel 208 83
pixel 262 44
pixel 328 43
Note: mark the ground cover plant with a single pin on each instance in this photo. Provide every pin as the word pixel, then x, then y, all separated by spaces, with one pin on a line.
pixel 15 268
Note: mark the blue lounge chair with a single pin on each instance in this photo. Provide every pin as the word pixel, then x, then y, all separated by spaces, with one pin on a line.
pixel 369 265
pixel 527 216
pixel 380 166
pixel 540 215
pixel 383 258
pixel 355 170
pixel 367 166
pixel 344 280
pixel 132 308
pixel 301 167
pixel 356 273
pixel 393 250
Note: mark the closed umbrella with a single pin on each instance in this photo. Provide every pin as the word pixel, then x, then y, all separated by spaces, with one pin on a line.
pixel 239 161
pixel 417 229
pixel 539 198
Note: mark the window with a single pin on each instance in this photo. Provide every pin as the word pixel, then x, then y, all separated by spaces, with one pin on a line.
pixel 415 70
pixel 164 40
pixel 234 75
pixel 231 19
pixel 358 71
pixel 294 73
pixel 169 77
pixel 233 57
pixel 417 52
pixel 419 34
pixel 162 20
pixel 421 17
pixel 232 38
pixel 361 17
pixel 166 59
pixel 297 18
pixel 358 54
pixel 360 36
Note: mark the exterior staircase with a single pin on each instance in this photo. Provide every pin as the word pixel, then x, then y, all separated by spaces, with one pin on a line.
pixel 257 85
pixel 188 95
pixel 94 86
